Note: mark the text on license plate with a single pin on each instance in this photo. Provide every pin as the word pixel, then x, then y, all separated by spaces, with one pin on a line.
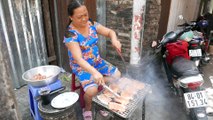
pixel 195 53
pixel 195 99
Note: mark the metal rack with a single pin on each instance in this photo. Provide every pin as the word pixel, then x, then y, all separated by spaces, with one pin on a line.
pixel 131 107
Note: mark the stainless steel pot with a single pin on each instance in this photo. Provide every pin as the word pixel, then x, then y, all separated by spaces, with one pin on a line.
pixel 51 71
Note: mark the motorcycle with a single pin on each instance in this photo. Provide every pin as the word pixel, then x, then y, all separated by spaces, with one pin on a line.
pixel 182 73
pixel 198 42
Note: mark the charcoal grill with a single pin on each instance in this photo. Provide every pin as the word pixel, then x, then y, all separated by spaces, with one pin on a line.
pixel 131 107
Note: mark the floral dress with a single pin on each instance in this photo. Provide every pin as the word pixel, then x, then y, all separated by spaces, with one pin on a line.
pixel 90 53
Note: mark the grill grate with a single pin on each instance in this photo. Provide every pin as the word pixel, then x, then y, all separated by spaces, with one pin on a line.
pixel 131 106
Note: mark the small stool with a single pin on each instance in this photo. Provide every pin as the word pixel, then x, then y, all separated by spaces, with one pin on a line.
pixel 33 93
pixel 74 87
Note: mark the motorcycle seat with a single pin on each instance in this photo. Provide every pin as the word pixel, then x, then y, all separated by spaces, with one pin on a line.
pixel 193 41
pixel 184 67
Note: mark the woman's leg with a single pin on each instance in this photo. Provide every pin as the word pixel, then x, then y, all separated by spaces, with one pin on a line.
pixel 89 86
pixel 89 93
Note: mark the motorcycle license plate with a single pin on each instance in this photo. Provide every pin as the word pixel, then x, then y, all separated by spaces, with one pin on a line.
pixel 195 53
pixel 195 99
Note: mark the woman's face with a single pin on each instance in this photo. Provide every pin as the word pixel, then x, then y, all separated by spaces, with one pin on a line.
pixel 80 16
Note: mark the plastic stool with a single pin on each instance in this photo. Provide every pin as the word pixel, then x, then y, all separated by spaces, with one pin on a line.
pixel 33 93
pixel 74 88
pixel 81 96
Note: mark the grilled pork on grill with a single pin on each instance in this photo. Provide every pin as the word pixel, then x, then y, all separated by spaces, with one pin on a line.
pixel 121 100
pixel 127 95
pixel 138 85
pixel 114 87
pixel 104 99
pixel 108 94
pixel 126 88
pixel 116 106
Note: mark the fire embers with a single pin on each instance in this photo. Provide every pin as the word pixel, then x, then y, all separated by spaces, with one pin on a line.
pixel 126 88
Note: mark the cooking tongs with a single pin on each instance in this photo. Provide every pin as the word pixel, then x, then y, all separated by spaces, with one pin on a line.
pixel 114 93
pixel 123 60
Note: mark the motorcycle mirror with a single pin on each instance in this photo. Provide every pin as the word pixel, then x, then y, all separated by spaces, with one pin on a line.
pixel 180 17
pixel 193 23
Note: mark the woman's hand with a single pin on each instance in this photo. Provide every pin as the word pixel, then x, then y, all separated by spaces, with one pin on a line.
pixel 98 78
pixel 116 44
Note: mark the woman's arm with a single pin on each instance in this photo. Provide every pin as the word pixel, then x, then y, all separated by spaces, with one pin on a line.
pixel 77 55
pixel 102 30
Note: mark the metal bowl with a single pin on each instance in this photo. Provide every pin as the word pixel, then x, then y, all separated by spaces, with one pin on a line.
pixel 48 70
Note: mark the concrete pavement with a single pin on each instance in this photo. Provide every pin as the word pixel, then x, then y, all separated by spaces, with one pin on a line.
pixel 161 104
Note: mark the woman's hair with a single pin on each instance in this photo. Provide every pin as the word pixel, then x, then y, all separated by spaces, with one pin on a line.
pixel 71 7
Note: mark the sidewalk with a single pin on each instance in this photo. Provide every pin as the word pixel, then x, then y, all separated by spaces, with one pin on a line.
pixel 208 71
pixel 162 104
pixel 23 104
